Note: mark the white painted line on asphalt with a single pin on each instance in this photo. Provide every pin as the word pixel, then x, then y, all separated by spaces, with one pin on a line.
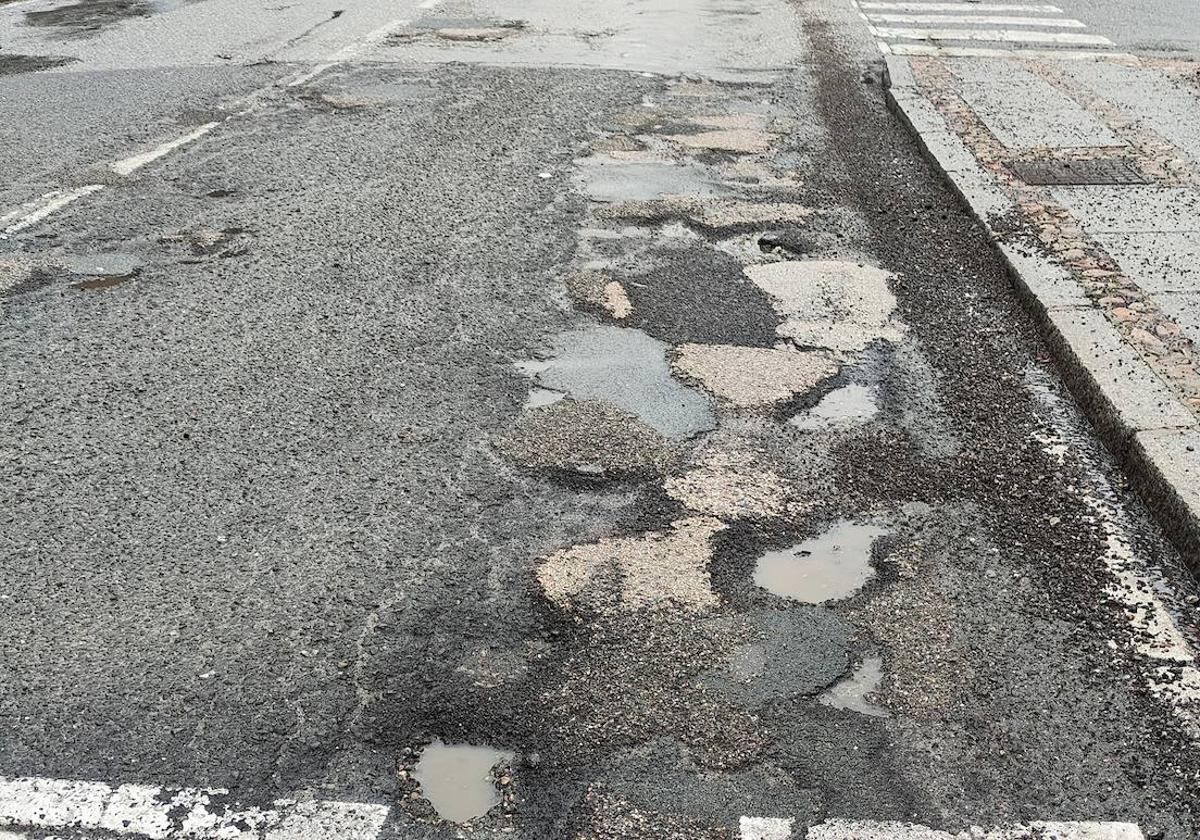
pixel 997 52
pixel 982 20
pixel 986 8
pixel 309 75
pixel 886 830
pixel 33 212
pixel 429 4
pixel 765 828
pixel 131 164
pixel 157 813
pixel 56 201
pixel 1009 35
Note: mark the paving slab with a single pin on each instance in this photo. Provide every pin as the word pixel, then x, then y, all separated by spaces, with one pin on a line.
pixel 1025 111
pixel 1157 262
pixel 1132 209
pixel 1158 102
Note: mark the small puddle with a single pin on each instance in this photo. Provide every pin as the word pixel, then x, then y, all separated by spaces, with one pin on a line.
pixel 851 693
pixel 843 406
pixel 830 567
pixel 539 397
pixel 457 779
pixel 611 180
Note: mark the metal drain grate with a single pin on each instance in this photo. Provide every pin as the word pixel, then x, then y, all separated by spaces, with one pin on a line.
pixel 1078 173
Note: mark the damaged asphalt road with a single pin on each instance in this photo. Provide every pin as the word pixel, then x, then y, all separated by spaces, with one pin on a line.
pixel 560 443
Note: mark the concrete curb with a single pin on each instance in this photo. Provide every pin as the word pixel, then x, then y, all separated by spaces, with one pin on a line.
pixel 1153 435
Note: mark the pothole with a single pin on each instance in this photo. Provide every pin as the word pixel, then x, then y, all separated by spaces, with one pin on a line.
pixel 845 406
pixel 829 567
pixel 628 369
pixel 851 693
pixel 458 779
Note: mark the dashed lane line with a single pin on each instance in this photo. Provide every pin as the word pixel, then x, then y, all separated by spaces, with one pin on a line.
pixel 131 164
pixel 156 813
pixel 876 830
pixel 35 211
pixel 44 805
pixel 49 204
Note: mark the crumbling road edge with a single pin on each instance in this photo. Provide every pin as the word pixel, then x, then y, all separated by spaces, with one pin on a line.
pixel 1153 435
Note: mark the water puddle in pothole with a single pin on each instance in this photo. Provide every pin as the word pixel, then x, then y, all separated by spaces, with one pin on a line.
pixel 628 369
pixel 843 406
pixel 851 693
pixel 457 779
pixel 607 179
pixel 540 397
pixel 829 567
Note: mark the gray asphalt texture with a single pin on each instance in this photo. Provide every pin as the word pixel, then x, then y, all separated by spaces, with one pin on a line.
pixel 270 509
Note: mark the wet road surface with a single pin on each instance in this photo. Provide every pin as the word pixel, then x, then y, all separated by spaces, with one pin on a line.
pixel 612 389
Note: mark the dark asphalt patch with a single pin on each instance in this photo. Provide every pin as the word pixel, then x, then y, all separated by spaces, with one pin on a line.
pixel 88 17
pixel 691 293
pixel 12 64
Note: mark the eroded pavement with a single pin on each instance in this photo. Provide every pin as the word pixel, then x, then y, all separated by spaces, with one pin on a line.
pixel 651 420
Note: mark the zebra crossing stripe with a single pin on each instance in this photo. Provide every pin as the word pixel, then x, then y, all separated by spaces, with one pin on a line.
pixel 980 20
pixel 985 8
pixel 1004 35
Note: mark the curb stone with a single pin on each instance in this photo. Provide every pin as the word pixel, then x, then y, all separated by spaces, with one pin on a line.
pixel 1154 436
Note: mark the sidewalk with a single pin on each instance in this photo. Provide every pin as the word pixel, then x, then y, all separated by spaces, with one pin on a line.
pixel 1086 173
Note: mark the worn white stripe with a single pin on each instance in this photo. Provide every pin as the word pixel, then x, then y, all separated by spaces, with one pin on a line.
pixel 998 52
pixel 61 200
pixel 985 8
pixel 978 20
pixel 1013 35
pixel 132 163
pixel 155 813
pixel 877 830
pixel 765 828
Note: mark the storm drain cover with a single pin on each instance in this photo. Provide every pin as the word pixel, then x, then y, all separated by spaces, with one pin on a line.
pixel 1080 173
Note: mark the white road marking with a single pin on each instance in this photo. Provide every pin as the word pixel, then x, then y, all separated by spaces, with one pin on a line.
pixel 982 20
pixel 765 828
pixel 131 164
pixel 877 830
pixel 1009 35
pixel 155 813
pixel 33 212
pixel 986 8
pixel 56 201
pixel 429 4
pixel 997 52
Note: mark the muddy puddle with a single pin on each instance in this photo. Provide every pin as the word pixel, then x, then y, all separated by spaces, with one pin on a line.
pixel 88 16
pixel 457 779
pixel 845 406
pixel 851 693
pixel 829 567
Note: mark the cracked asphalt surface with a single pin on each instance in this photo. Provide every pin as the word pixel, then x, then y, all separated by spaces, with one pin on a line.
pixel 275 514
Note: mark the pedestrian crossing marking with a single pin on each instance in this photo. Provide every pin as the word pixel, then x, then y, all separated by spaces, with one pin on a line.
pixel 978 20
pixel 1001 35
